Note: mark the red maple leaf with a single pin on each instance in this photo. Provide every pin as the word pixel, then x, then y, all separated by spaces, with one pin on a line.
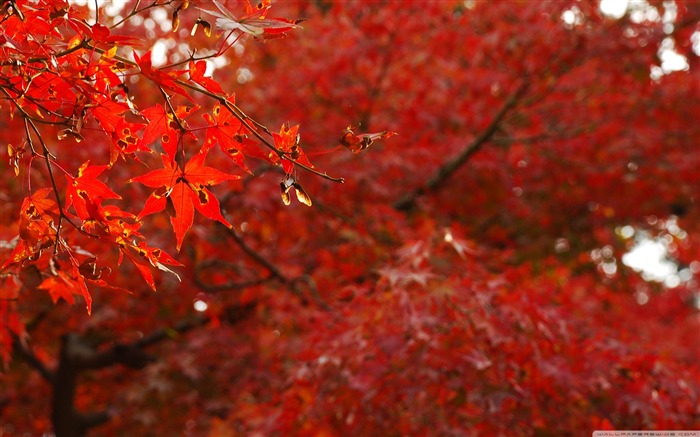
pixel 122 228
pixel 36 226
pixel 229 132
pixel 85 192
pixel 183 191
pixel 167 80
pixel 143 257
pixel 197 70
pixel 125 143
pixel 162 125
pixel 66 282
pixel 288 141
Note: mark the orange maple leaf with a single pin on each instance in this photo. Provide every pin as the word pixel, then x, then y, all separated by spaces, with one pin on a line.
pixel 85 192
pixel 182 191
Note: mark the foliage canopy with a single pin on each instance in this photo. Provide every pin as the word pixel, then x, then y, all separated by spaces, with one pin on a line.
pixel 466 278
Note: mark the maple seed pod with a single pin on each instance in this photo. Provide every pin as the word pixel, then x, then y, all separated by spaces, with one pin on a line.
pixel 302 196
pixel 194 28
pixel 70 132
pixel 286 199
pixel 15 154
pixel 287 184
pixel 176 19
pixel 207 28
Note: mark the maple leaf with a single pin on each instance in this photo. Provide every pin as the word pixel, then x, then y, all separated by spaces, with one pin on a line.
pixel 65 283
pixel 144 257
pixel 229 133
pixel 85 192
pixel 121 228
pixel 164 79
pixel 184 190
pixel 58 287
pixel 162 125
pixel 108 113
pixel 36 226
pixel 197 70
pixel 99 33
pixel 125 141
pixel 114 226
pixel 253 22
pixel 358 143
pixel 287 140
pixel 123 133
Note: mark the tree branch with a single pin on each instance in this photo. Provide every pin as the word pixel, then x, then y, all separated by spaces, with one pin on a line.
pixel 271 268
pixel 446 170
pixel 66 420
pixel 77 356
pixel 293 284
pixel 25 353
pixel 220 265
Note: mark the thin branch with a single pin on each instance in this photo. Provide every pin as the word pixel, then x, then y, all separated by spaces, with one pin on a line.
pixel 192 58
pixel 313 290
pixel 259 125
pixel 271 268
pixel 240 115
pixel 293 284
pixel 49 167
pixel 169 333
pixel 83 44
pixel 135 11
pixel 446 170
pixel 48 156
pixel 172 110
pixel 221 265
